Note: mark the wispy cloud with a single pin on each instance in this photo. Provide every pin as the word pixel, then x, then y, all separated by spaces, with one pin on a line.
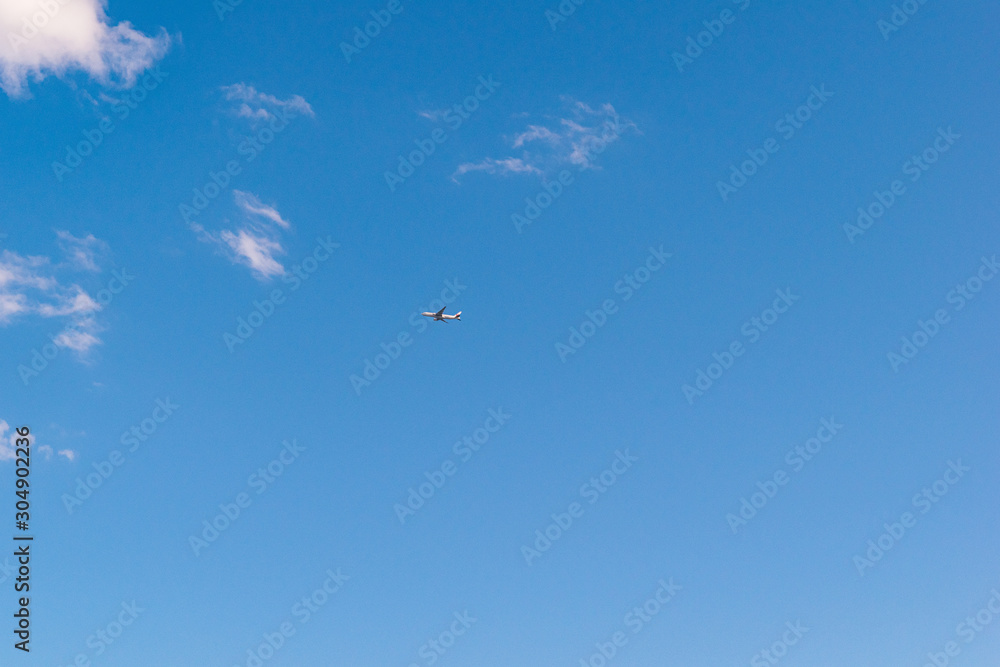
pixel 536 132
pixel 32 285
pixel 256 242
pixel 8 445
pixel 253 206
pixel 433 114
pixel 574 137
pixel 80 336
pixel 83 253
pixel 258 106
pixel 510 165
pixel 256 251
pixel 76 35
pixel 72 301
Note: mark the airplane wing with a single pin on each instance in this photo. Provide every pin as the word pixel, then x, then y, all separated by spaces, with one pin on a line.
pixel 438 314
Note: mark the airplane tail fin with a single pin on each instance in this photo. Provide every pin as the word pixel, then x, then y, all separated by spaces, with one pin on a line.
pixel 458 315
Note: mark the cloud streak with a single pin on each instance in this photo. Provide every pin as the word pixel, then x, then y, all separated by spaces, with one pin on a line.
pixel 31 285
pixel 510 165
pixel 82 253
pixel 256 242
pixel 257 106
pixel 8 442
pixel 571 138
pixel 8 445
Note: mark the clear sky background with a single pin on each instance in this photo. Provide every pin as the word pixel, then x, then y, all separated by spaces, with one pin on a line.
pixel 670 137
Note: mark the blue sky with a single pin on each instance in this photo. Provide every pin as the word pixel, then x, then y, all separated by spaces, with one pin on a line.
pixel 665 311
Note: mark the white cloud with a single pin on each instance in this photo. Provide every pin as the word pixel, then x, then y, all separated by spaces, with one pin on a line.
pixel 27 286
pixel 8 442
pixel 72 301
pixel 38 39
pixel 571 139
pixel 256 251
pixel 82 253
pixel 11 305
pixel 8 445
pixel 256 242
pixel 31 285
pixel 79 336
pixel 511 165
pixel 18 271
pixel 261 106
pixel 251 205
pixel 536 132
pixel 433 114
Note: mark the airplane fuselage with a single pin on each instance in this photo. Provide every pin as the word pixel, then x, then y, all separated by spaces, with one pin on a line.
pixel 440 317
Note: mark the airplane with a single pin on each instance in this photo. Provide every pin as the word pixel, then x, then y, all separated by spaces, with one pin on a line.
pixel 439 316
